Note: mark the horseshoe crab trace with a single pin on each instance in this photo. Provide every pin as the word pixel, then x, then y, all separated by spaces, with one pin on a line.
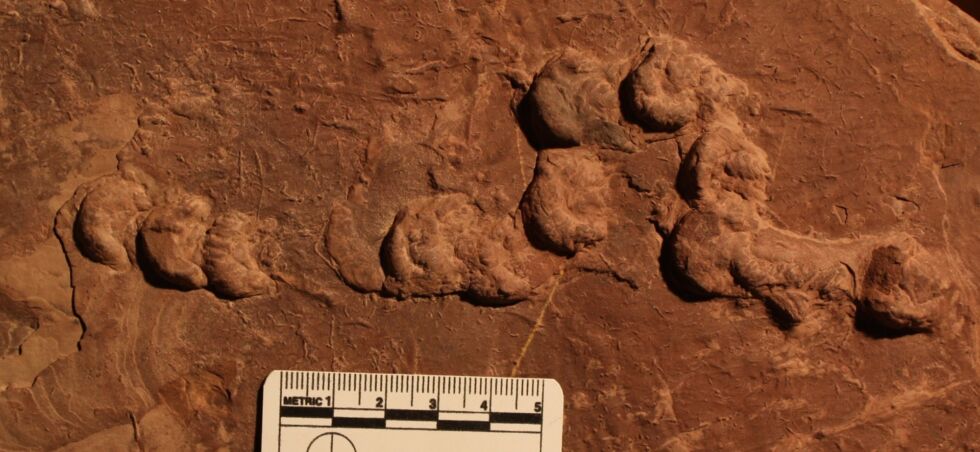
pixel 124 219
pixel 719 239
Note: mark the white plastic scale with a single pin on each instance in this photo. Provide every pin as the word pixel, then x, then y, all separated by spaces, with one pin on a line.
pixel 347 412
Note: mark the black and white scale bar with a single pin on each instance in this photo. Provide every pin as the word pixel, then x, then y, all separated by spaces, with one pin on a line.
pixel 463 426
pixel 412 415
pixel 359 422
pixel 311 412
pixel 417 420
pixel 409 415
pixel 516 418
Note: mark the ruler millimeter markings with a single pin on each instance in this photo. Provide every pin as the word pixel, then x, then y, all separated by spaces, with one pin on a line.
pixel 345 411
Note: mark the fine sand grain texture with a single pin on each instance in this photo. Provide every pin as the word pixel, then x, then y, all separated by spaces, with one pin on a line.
pixel 720 225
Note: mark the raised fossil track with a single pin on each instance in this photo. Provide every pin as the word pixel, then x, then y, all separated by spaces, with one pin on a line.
pixel 719 236
pixel 176 239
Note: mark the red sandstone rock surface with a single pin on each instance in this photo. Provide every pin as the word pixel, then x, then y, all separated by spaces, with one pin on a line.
pixel 721 225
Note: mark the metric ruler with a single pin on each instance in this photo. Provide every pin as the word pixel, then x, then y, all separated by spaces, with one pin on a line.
pixel 360 412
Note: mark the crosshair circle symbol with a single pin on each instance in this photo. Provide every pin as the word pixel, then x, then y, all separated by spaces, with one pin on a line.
pixel 331 442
